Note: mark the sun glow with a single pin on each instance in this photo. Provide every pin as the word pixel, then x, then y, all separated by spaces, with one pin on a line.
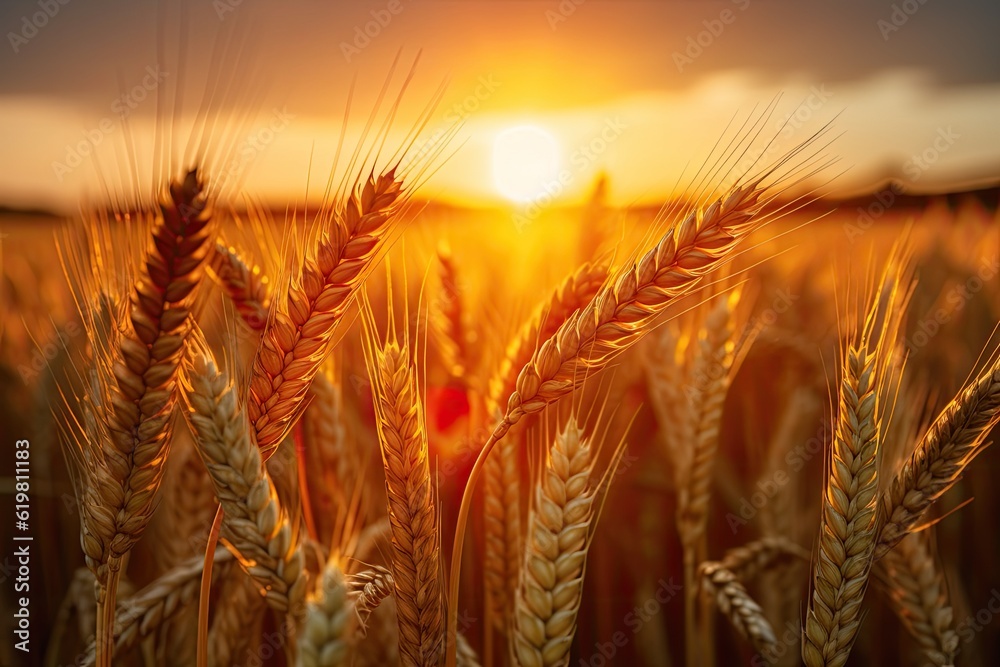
pixel 525 159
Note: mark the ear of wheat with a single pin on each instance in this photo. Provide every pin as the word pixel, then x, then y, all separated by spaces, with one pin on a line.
pixel 561 522
pixel 328 629
pixel 298 337
pixel 952 441
pixel 415 540
pixel 254 522
pixel 448 319
pixel 618 316
pixel 735 603
pixel 849 525
pixel 709 379
pixel 918 592
pixel 133 392
pixel 246 287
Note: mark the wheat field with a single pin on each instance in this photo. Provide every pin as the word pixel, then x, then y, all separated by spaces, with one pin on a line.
pixel 748 427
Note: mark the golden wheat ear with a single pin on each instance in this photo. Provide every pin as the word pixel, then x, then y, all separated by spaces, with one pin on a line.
pixel 255 525
pixel 411 502
pixel 849 526
pixel 138 335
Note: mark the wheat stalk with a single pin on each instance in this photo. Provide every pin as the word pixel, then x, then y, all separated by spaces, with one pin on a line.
pixel 955 438
pixel 296 340
pixel 327 633
pixel 245 285
pixel 918 592
pixel 501 504
pixel 560 525
pixel 409 491
pixel 255 523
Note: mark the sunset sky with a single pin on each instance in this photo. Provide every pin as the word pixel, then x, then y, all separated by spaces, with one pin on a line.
pixel 636 90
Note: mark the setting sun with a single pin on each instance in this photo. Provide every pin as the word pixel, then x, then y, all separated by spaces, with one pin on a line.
pixel 525 160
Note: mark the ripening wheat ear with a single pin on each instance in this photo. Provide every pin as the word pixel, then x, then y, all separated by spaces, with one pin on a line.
pixel 254 523
pixel 711 368
pixel 416 563
pixel 849 527
pixel 132 393
pixel 328 629
pixel 448 319
pixel 918 593
pixel 244 283
pixel 561 525
pixel 725 580
pixel 297 339
pixel 502 501
pixel 953 440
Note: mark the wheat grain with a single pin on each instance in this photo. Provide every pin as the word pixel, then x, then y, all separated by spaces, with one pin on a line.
pixel 919 595
pixel 297 339
pixel 255 523
pixel 415 540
